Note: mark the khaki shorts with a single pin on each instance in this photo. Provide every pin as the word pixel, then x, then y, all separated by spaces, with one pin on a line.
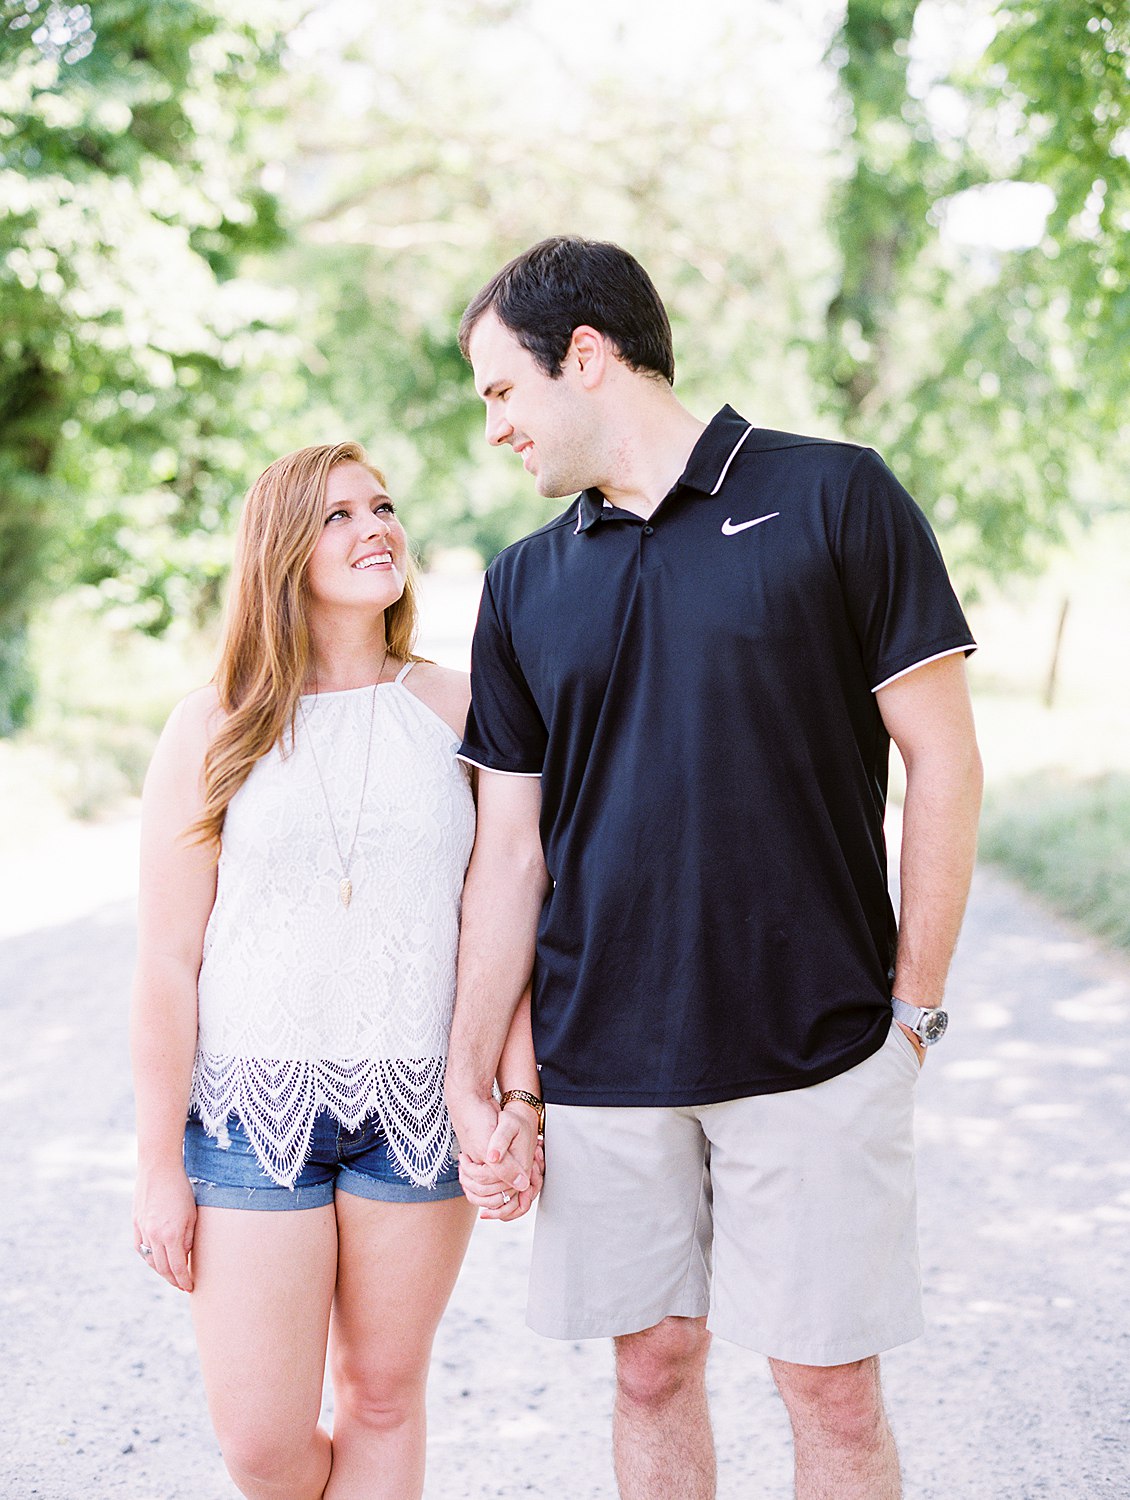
pixel 789 1218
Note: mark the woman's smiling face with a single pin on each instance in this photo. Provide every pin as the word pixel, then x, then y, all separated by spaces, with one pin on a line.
pixel 361 558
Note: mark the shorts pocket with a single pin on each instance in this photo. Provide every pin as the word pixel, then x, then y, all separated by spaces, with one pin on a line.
pixel 906 1045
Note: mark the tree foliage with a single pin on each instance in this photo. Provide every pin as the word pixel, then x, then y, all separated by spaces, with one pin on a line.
pixel 228 228
pixel 1063 67
pixel 130 199
pixel 409 199
pixel 993 377
pixel 880 220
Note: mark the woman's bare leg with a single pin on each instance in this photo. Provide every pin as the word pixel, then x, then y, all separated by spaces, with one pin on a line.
pixel 264 1284
pixel 397 1264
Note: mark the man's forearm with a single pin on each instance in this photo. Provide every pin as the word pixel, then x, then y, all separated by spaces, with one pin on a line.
pixel 501 904
pixel 939 846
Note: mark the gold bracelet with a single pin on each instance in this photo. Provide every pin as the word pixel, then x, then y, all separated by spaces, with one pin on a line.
pixel 523 1096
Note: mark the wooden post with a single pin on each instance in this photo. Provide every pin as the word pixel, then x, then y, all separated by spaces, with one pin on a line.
pixel 1053 669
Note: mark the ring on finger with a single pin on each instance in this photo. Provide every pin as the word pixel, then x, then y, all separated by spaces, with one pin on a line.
pixel 505 1197
pixel 145 1249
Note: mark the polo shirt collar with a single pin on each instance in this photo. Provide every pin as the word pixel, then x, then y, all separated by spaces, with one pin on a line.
pixel 589 508
pixel 715 451
pixel 706 468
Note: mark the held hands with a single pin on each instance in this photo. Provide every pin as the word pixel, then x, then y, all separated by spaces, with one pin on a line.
pixel 504 1181
pixel 164 1222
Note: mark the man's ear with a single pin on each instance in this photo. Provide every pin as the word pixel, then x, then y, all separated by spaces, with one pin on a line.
pixel 589 353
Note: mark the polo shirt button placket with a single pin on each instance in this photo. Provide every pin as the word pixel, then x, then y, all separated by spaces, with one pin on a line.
pixel 649 531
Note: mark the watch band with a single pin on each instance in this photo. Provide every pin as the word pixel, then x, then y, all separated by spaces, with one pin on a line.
pixel 909 1015
pixel 523 1096
pixel 928 1023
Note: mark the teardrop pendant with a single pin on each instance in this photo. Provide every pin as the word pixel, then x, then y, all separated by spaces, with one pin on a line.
pixel 345 891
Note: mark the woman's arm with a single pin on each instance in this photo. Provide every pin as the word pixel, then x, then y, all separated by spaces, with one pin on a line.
pixel 177 890
pixel 517 1067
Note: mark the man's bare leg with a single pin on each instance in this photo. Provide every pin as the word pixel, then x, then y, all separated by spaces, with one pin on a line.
pixel 844 1446
pixel 662 1444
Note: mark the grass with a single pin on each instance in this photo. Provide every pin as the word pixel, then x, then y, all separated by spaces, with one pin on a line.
pixel 1057 806
pixel 1069 841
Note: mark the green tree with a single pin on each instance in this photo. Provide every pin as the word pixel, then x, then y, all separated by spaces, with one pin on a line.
pixel 136 360
pixel 431 170
pixel 1063 66
pixel 992 378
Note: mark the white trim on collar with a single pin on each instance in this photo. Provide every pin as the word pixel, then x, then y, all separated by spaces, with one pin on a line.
pixel 731 458
pixel 578 528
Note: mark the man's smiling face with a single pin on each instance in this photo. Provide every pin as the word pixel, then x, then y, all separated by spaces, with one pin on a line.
pixel 544 419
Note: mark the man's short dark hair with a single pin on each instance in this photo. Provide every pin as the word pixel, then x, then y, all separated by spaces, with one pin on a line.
pixel 557 285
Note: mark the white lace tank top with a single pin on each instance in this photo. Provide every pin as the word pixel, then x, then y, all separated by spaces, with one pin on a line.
pixel 304 1004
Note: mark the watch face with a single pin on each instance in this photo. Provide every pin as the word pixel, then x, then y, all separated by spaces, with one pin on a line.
pixel 934 1023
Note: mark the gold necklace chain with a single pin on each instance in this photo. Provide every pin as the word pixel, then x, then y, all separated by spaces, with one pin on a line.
pixel 345 863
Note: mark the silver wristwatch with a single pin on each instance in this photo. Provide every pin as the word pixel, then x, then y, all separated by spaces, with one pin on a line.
pixel 929 1026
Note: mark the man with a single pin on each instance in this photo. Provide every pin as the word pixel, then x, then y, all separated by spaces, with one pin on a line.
pixel 684 689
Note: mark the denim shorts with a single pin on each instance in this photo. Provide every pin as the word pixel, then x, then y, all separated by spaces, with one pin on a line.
pixel 225 1172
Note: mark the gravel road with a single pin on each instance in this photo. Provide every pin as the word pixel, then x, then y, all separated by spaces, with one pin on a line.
pixel 1020 1388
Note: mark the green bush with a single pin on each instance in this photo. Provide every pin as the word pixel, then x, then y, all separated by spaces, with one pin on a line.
pixel 1069 841
pixel 17 686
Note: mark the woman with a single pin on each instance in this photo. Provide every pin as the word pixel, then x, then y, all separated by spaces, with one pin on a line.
pixel 293 996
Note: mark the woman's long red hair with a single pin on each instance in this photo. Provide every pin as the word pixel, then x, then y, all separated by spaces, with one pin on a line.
pixel 266 653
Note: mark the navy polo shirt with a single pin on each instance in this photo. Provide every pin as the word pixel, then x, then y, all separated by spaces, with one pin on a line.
pixel 697 694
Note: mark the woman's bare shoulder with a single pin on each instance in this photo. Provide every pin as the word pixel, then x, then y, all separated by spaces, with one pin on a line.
pixel 196 717
pixel 444 690
pixel 189 730
pixel 200 707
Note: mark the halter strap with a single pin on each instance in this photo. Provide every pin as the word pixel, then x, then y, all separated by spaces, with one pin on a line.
pixel 404 671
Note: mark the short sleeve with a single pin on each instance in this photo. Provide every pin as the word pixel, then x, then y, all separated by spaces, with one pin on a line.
pixel 898 593
pixel 505 731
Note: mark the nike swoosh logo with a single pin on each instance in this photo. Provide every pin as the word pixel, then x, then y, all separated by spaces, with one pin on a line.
pixel 729 529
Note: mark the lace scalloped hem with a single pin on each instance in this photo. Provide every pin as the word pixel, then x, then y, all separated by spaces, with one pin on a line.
pixel 277 1101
